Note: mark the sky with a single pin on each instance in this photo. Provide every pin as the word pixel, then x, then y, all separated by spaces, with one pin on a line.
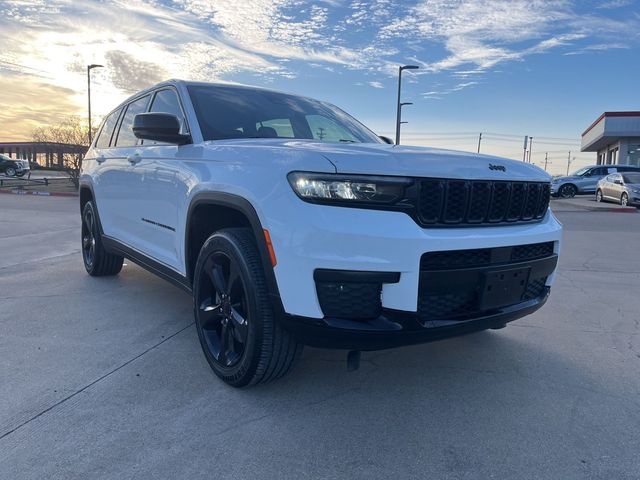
pixel 507 68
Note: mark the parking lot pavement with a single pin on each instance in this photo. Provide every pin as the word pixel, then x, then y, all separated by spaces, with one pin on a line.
pixel 104 378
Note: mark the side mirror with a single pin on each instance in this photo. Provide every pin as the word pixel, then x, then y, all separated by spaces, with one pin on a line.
pixel 385 139
pixel 160 127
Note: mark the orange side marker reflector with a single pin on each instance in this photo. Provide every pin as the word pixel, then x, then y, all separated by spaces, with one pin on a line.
pixel 272 253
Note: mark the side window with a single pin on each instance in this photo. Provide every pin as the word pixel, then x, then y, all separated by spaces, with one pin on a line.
pixel 597 172
pixel 611 169
pixel 108 126
pixel 275 128
pixel 166 101
pixel 326 130
pixel 126 138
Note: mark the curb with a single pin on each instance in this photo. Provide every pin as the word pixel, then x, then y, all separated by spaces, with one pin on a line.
pixel 39 193
pixel 574 208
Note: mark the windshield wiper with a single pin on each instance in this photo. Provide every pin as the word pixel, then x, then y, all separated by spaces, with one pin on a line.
pixel 347 141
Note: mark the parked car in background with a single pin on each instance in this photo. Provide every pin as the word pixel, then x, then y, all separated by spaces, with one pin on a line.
pixel 585 179
pixel 623 188
pixel 12 167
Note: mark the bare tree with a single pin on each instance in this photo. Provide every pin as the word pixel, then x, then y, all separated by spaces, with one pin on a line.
pixel 70 130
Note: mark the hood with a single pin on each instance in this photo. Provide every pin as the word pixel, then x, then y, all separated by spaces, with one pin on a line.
pixel 384 159
pixel 564 178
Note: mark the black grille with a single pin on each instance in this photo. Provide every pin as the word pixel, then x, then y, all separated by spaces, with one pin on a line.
pixel 532 251
pixel 452 282
pixel 349 300
pixel 446 306
pixel 480 257
pixel 535 288
pixel 463 202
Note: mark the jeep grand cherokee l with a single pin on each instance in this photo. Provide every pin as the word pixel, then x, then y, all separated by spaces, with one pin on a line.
pixel 291 223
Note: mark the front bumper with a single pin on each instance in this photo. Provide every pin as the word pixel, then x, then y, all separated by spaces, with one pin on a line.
pixel 313 237
pixel 394 329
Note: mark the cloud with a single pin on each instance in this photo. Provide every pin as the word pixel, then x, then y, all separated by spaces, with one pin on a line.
pixel 130 74
pixel 21 101
pixel 144 41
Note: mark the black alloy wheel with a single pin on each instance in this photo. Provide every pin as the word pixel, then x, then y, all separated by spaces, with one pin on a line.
pixel 241 339
pixel 568 191
pixel 97 261
pixel 88 238
pixel 223 314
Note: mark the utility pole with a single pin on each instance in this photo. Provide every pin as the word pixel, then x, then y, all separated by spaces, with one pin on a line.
pixel 89 68
pixel 530 147
pixel 399 104
pixel 524 155
pixel 479 140
pixel 568 162
pixel 546 158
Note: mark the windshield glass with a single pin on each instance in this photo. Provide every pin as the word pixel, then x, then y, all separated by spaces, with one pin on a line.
pixel 580 172
pixel 238 112
pixel 631 177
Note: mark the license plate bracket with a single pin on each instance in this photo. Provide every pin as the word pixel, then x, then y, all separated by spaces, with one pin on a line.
pixel 504 287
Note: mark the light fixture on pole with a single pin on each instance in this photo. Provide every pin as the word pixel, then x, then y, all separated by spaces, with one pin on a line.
pixel 399 104
pixel 89 68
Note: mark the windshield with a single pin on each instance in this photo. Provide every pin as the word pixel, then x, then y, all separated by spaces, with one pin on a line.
pixel 631 177
pixel 237 112
pixel 580 172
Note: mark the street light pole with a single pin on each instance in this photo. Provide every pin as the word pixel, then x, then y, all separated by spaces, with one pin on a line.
pixel 479 140
pixel 89 68
pixel 399 104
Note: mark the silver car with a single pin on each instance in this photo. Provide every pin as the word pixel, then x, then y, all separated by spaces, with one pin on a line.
pixel 623 188
pixel 585 179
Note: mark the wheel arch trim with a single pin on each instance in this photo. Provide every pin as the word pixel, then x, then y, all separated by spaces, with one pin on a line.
pixel 244 207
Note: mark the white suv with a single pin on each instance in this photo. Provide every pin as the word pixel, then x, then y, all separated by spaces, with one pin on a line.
pixel 292 223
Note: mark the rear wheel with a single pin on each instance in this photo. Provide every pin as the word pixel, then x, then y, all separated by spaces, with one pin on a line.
pixel 568 191
pixel 599 195
pixel 624 199
pixel 10 172
pixel 97 261
pixel 240 338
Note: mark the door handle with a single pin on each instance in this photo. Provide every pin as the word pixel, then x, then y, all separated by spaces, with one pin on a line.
pixel 134 159
pixel 100 159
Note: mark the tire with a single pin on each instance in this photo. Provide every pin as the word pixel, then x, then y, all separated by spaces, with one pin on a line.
pixel 10 172
pixel 624 199
pixel 97 261
pixel 599 195
pixel 568 191
pixel 238 332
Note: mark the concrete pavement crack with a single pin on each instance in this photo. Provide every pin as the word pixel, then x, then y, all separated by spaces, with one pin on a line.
pixel 99 379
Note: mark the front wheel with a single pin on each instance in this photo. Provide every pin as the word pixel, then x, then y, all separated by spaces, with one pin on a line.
pixel 624 199
pixel 240 338
pixel 10 172
pixel 599 195
pixel 568 191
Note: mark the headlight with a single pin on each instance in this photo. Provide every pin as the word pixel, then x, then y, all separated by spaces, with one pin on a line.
pixel 348 189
